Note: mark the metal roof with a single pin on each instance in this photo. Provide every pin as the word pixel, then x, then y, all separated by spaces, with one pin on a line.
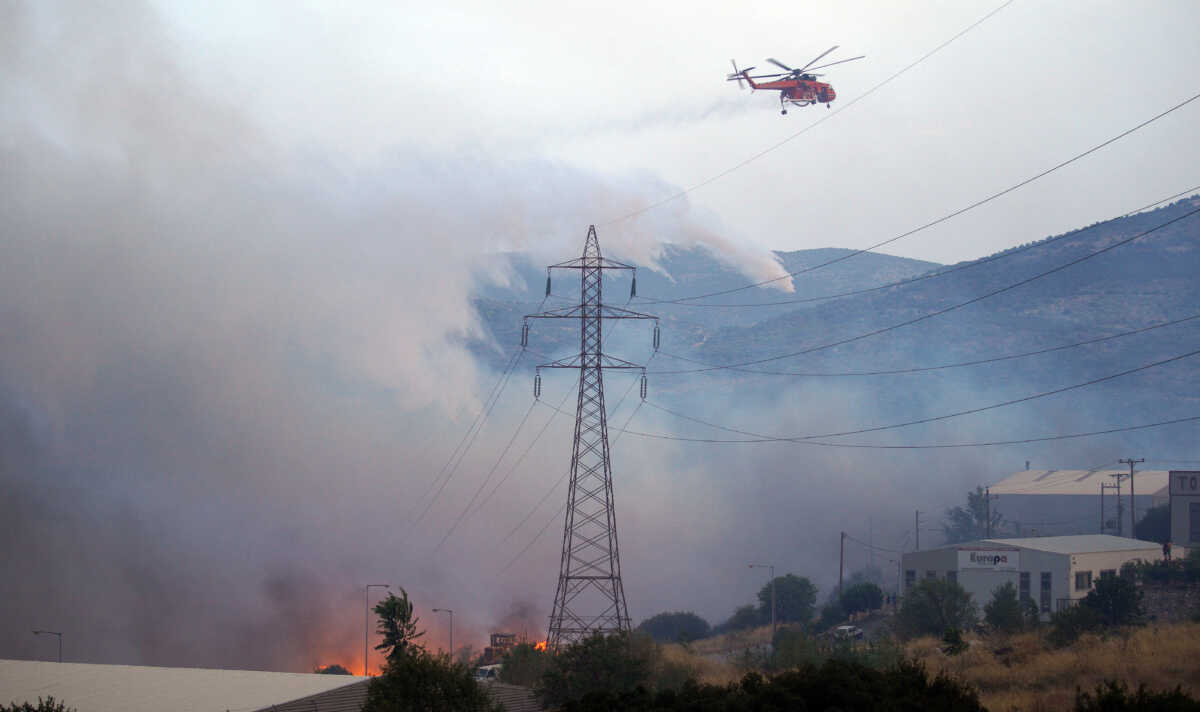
pixel 134 688
pixel 1079 544
pixel 1073 544
pixel 1145 482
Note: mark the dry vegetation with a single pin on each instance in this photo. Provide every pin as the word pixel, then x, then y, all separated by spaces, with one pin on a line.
pixel 1023 673
pixel 1017 673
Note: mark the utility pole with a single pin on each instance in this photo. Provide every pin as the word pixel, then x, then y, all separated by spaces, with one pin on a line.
pixel 1105 486
pixel 1132 502
pixel 841 563
pixel 1120 511
pixel 917 528
pixel 771 572
pixel 590 596
pixel 987 497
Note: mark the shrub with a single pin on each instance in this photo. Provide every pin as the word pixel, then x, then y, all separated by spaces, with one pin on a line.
pixel 46 705
pixel 1070 623
pixel 833 685
pixel 675 627
pixel 615 663
pixel 1004 613
pixel 524 665
pixel 1117 600
pixel 1113 696
pixel 864 596
pixel 429 683
pixel 935 605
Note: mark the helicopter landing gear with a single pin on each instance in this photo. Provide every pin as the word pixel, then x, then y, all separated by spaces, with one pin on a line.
pixel 783 111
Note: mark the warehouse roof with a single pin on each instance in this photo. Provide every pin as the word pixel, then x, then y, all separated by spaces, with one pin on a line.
pixel 1151 482
pixel 1078 543
pixel 133 688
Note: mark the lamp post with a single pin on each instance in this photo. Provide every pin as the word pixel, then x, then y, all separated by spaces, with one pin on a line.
pixel 366 617
pixel 52 632
pixel 447 610
pixel 771 567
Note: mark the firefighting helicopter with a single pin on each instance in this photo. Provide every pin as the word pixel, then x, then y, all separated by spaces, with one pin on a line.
pixel 800 87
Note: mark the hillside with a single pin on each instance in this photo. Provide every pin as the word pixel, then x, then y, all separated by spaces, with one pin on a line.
pixel 1139 284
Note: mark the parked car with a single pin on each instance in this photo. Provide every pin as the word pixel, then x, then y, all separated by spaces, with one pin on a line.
pixel 848 632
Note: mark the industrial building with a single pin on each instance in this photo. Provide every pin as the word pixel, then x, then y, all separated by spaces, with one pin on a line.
pixel 138 688
pixel 1060 502
pixel 1054 571
pixel 1185 508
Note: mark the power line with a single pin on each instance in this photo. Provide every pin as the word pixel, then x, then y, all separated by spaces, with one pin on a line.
pixel 938 446
pixel 806 129
pixel 487 412
pixel 541 531
pixel 487 479
pixel 928 275
pixel 942 219
pixel 923 369
pixel 476 422
pixel 871 546
pixel 959 305
pixel 947 416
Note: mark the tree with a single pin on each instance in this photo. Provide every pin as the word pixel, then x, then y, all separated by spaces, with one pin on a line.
pixel 675 626
pixel 744 617
pixel 524 665
pixel 422 682
pixel 1117 600
pixel 795 599
pixel 863 596
pixel 1155 525
pixel 970 522
pixel 1004 613
pixel 414 680
pixel 935 605
pixel 397 625
pixel 616 663
pixel 46 705
pixel 334 669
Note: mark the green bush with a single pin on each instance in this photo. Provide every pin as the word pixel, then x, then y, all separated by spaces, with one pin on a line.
pixel 614 663
pixel 1068 624
pixel 833 685
pixel 675 627
pixel 46 705
pixel 524 665
pixel 935 605
pixel 1004 613
pixel 422 682
pixel 864 596
pixel 1115 697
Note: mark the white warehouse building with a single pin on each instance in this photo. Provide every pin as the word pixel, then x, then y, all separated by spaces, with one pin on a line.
pixel 1054 571
pixel 1058 502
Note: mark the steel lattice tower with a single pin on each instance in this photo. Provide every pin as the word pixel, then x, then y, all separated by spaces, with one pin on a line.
pixel 590 596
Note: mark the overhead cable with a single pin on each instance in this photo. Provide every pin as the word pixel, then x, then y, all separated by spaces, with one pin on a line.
pixel 933 274
pixel 940 220
pixel 745 162
pixel 925 369
pixel 945 310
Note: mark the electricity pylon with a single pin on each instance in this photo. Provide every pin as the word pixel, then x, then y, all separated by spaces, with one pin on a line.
pixel 590 596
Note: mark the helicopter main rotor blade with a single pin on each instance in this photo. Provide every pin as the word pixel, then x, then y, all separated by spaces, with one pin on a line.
pixel 781 65
pixel 818 58
pixel 840 61
pixel 770 76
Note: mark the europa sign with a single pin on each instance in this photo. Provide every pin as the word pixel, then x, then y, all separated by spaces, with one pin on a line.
pixel 989 559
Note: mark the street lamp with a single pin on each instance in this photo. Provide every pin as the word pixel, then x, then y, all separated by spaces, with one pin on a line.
pixel 772 571
pixel 366 617
pixel 52 632
pixel 447 610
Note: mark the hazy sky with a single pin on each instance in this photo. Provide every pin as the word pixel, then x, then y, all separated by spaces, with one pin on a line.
pixel 630 90
pixel 238 245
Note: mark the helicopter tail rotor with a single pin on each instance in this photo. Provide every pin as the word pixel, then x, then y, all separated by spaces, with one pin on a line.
pixel 738 75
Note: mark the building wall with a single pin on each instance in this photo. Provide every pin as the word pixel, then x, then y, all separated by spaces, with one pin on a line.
pixel 1065 514
pixel 1185 507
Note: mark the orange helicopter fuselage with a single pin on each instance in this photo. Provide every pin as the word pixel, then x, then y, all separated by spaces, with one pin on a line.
pixel 798 91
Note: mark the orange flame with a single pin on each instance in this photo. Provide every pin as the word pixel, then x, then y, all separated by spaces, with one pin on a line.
pixel 540 645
